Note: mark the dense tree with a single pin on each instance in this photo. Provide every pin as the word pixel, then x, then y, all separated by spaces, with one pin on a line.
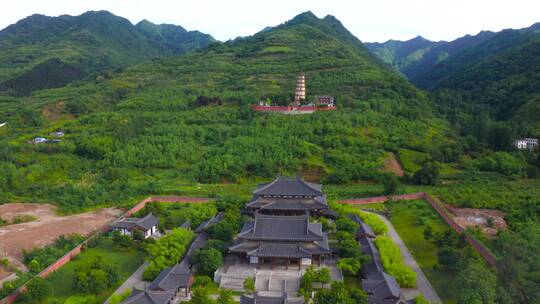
pixel 200 295
pixel 390 183
pixel 338 293
pixel 207 260
pixel 225 297
pixel 167 251
pixel 95 276
pixel 428 174
pixel 477 285
pixel 347 225
pixel 349 266
pixel 37 289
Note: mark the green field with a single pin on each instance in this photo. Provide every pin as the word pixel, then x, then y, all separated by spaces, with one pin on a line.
pixel 61 282
pixel 406 219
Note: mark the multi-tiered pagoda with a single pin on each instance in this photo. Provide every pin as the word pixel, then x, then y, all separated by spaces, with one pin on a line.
pixel 299 105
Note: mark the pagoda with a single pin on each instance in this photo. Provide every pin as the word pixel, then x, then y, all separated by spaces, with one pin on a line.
pixel 300 92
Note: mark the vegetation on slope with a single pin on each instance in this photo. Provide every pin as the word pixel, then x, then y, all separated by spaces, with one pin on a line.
pixel 143 128
pixel 39 47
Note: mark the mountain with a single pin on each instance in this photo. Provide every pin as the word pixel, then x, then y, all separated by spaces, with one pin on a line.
pixel 503 84
pixel 400 54
pixel 490 73
pixel 426 62
pixel 39 47
pixel 187 118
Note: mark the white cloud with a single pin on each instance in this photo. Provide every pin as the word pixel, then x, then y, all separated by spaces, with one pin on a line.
pixel 368 20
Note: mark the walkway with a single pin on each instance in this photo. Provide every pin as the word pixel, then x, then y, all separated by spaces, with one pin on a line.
pixel 135 280
pixel 422 283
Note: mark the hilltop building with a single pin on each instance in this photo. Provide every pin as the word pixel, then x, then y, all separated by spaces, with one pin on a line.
pixel 299 105
pixel 288 196
pixel 526 143
pixel 147 225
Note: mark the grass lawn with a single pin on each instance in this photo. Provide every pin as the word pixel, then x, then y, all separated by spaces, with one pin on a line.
pixel 410 219
pixel 62 291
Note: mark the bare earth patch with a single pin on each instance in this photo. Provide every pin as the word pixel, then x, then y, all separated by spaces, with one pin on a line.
pixel 48 226
pixel 470 217
pixel 391 164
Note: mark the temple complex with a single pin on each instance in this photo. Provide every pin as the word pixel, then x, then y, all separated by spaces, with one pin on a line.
pixel 299 105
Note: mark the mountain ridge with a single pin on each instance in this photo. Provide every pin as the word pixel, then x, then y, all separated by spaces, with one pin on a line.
pixel 91 43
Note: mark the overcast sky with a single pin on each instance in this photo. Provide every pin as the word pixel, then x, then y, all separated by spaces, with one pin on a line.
pixel 369 20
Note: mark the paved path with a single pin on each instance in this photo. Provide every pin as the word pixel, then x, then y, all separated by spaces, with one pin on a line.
pixel 135 280
pixel 422 283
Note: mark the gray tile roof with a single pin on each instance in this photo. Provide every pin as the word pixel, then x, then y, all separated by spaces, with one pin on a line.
pixel 384 286
pixel 287 186
pixel 149 297
pixel 206 224
pixel 282 228
pixel 172 278
pixel 144 223
pixel 279 203
pixel 364 228
pixel 285 250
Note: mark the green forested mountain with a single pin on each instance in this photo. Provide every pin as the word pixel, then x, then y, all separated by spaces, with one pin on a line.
pixel 401 54
pixel 187 118
pixel 67 48
pixel 490 74
pixel 427 63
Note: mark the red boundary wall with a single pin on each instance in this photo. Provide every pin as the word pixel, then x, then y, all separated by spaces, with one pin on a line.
pixel 439 207
pixel 79 248
pixel 289 108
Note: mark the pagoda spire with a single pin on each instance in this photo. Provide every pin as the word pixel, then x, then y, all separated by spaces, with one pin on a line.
pixel 300 92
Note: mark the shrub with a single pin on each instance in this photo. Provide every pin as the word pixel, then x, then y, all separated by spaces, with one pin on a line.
pixel 37 289
pixel 249 284
pixel 347 225
pixel 393 262
pixel 350 266
pixel 207 261
pixel 167 251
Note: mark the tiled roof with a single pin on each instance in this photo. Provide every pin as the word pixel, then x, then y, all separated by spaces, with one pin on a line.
pixel 279 203
pixel 282 228
pixel 130 223
pixel 288 250
pixel 149 297
pixel 172 278
pixel 364 228
pixel 286 186
pixel 383 286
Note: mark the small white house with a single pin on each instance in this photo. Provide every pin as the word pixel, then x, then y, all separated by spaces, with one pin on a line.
pixel 526 143
pixel 147 225
pixel 39 140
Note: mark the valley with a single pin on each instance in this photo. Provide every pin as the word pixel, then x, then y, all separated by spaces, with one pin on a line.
pixel 161 111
